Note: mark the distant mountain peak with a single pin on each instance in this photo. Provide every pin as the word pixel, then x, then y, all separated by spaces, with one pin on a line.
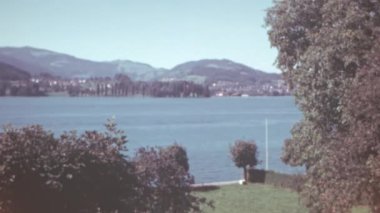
pixel 210 71
pixel 36 60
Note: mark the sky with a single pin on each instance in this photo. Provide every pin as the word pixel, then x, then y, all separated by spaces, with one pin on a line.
pixel 162 33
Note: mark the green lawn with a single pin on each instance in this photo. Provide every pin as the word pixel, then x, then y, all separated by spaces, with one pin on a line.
pixel 256 198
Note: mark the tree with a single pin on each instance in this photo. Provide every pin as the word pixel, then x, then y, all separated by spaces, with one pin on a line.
pixel 90 173
pixel 86 173
pixel 357 158
pixel 165 180
pixel 178 154
pixel 324 48
pixel 244 153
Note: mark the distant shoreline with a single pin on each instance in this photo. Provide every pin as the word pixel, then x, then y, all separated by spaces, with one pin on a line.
pixel 67 95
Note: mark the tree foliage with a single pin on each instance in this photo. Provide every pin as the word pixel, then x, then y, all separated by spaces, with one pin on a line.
pixel 89 173
pixel 328 52
pixel 86 173
pixel 164 175
pixel 244 153
pixel 122 85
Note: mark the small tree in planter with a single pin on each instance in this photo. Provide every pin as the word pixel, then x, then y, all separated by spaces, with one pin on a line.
pixel 244 153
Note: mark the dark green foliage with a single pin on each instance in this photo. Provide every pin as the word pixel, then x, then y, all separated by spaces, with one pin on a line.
pixel 86 173
pixel 23 89
pixel 122 85
pixel 165 180
pixel 293 182
pixel 178 154
pixel 177 89
pixel 90 173
pixel 16 82
pixel 328 52
pixel 244 154
pixel 360 158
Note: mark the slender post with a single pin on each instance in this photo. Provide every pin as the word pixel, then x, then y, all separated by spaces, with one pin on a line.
pixel 266 145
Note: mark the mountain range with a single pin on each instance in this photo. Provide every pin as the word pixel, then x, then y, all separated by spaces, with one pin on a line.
pixel 208 71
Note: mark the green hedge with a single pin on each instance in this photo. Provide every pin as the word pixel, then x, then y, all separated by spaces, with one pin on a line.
pixel 293 182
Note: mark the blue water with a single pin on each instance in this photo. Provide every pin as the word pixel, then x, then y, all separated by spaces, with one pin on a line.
pixel 205 127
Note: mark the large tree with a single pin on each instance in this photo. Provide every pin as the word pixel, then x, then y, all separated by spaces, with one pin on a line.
pixel 327 51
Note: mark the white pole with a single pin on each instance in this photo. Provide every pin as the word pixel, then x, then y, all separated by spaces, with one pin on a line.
pixel 266 145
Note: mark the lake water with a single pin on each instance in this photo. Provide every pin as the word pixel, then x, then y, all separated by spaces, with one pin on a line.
pixel 205 127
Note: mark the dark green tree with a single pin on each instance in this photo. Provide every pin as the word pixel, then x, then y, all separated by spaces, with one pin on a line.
pixel 244 154
pixel 86 173
pixel 178 154
pixel 166 182
pixel 324 48
pixel 90 173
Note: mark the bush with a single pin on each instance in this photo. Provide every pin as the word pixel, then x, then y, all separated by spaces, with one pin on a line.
pixel 85 173
pixel 89 173
pixel 293 182
pixel 163 174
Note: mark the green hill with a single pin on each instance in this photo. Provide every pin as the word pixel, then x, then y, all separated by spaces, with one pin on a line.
pixel 11 73
pixel 211 71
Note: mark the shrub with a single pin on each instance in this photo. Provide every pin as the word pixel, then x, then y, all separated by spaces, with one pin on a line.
pixel 86 173
pixel 89 173
pixel 164 175
pixel 289 181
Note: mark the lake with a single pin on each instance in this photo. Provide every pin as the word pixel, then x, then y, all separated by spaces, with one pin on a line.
pixel 206 127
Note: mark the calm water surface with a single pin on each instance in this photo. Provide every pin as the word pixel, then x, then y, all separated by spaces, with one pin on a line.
pixel 206 127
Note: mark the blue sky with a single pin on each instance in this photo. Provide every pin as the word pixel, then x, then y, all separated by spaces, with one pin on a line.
pixel 162 33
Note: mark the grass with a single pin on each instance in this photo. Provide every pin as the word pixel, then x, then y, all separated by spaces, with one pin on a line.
pixel 360 210
pixel 256 198
pixel 253 198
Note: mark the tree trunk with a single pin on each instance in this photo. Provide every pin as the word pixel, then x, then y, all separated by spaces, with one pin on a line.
pixel 245 173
